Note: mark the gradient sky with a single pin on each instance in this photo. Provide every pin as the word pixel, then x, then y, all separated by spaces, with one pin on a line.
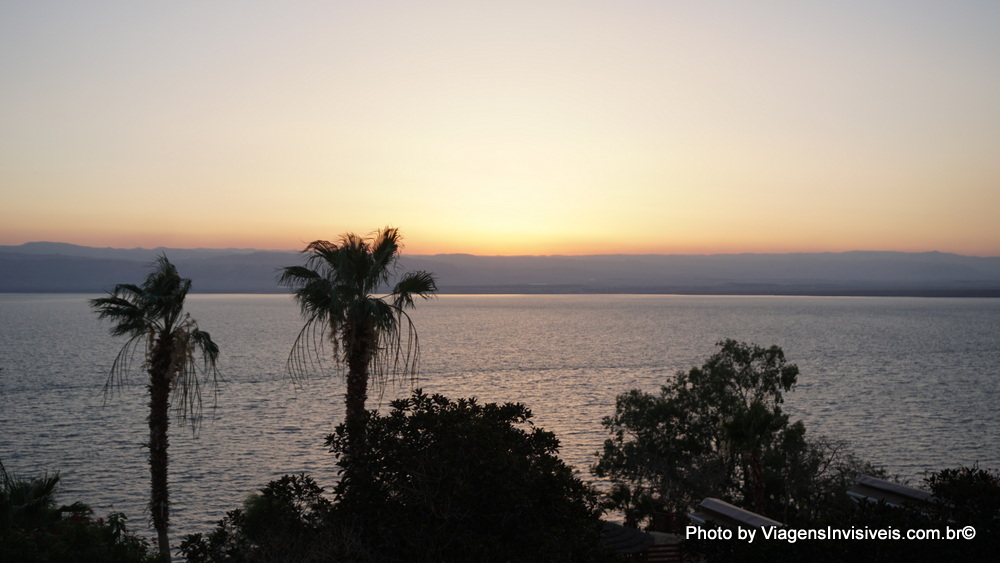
pixel 516 127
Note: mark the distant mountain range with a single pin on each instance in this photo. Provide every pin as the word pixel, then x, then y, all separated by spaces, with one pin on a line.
pixel 59 267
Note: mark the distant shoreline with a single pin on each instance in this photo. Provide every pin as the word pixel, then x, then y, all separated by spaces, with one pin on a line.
pixel 987 293
pixel 65 268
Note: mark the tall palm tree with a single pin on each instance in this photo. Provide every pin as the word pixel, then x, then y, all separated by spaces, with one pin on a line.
pixel 152 315
pixel 372 335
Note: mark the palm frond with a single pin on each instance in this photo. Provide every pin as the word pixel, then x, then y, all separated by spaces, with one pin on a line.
pixel 330 260
pixel 296 275
pixel 24 502
pixel 127 291
pixel 209 349
pixel 306 350
pixel 318 253
pixel 320 299
pixel 128 317
pixel 355 268
pixel 190 341
pixel 398 350
pixel 411 284
pixel 385 253
pixel 164 293
pixel 379 314
pixel 121 367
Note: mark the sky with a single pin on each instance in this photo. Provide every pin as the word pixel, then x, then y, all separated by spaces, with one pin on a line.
pixel 504 128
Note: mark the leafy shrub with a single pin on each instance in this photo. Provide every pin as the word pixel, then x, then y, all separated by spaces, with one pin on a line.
pixel 446 480
pixel 289 520
pixel 968 496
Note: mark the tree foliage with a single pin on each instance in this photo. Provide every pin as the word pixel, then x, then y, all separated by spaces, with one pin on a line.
pixel 968 496
pixel 718 430
pixel 446 480
pixel 289 520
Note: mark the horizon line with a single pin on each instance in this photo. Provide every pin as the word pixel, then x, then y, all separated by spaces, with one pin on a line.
pixel 555 255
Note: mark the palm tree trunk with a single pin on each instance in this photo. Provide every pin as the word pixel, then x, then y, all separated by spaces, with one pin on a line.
pixel 159 424
pixel 357 394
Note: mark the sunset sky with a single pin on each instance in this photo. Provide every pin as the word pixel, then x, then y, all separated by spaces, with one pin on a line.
pixel 516 127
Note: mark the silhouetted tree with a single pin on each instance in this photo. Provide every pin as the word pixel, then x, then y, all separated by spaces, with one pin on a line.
pixel 446 480
pixel 373 335
pixel 718 430
pixel 152 316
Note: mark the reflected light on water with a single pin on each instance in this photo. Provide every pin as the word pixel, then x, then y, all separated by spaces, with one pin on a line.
pixel 911 383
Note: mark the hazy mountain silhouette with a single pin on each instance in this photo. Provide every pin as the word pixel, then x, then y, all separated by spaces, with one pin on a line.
pixel 61 267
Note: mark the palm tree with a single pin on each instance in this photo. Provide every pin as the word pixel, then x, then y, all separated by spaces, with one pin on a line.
pixel 372 335
pixel 152 315
pixel 26 503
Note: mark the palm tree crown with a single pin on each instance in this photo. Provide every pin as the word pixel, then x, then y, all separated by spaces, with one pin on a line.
pixel 336 292
pixel 152 315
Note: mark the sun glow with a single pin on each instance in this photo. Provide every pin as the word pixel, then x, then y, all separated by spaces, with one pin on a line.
pixel 526 128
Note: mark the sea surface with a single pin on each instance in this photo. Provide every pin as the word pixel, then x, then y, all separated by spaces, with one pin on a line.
pixel 912 383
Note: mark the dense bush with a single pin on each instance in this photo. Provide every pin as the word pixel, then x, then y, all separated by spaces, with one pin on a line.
pixel 443 480
pixel 76 536
pixel 968 496
pixel 438 480
pixel 289 520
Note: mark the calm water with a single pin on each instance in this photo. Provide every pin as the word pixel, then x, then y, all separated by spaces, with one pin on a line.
pixel 913 384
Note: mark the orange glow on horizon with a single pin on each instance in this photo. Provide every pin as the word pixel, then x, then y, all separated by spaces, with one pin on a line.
pixel 520 128
pixel 504 246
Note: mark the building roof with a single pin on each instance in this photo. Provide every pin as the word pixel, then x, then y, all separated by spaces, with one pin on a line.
pixel 894 494
pixel 721 512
